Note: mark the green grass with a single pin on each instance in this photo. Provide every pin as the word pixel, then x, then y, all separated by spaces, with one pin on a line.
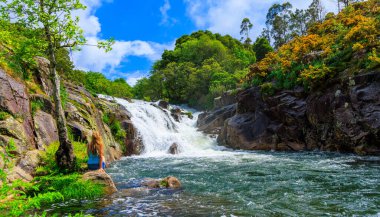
pixel 51 186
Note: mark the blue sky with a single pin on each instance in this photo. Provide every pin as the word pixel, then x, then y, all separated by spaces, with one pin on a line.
pixel 144 29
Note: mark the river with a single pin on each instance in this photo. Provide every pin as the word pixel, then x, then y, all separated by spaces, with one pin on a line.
pixel 217 181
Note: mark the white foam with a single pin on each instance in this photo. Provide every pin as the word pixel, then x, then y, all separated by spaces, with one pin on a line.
pixel 158 131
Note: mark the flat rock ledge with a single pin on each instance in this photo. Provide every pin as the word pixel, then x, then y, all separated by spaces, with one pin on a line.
pixel 101 177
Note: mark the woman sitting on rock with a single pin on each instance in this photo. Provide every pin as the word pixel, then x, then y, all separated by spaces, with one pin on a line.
pixel 95 153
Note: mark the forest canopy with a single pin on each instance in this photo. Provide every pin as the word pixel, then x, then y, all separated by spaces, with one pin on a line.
pixel 201 67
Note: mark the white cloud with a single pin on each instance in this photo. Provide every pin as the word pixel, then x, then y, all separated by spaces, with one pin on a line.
pixel 94 59
pixel 166 20
pixel 133 77
pixel 225 16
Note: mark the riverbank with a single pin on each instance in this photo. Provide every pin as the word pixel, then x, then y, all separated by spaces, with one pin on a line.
pixel 341 116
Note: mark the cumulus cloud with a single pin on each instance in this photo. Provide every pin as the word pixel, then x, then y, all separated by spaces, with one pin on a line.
pixel 225 16
pixel 92 58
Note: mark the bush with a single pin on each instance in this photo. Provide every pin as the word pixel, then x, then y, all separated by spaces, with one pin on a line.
pixel 4 115
pixel 36 105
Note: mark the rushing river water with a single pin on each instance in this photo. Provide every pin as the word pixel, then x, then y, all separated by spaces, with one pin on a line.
pixel 220 182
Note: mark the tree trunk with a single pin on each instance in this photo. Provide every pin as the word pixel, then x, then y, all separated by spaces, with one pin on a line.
pixel 65 155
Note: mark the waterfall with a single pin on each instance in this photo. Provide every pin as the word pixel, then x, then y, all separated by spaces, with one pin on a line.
pixel 158 130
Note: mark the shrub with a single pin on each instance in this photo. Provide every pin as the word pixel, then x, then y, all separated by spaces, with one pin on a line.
pixel 36 105
pixel 4 115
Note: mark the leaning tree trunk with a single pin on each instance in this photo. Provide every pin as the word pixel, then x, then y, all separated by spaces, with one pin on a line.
pixel 64 156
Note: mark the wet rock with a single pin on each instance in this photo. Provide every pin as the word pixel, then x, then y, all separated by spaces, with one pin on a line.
pixel 101 177
pixel 171 182
pixel 151 183
pixel 176 114
pixel 173 149
pixel 163 104
pixel 168 182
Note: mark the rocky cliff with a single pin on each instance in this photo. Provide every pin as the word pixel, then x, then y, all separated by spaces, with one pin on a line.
pixel 27 123
pixel 343 116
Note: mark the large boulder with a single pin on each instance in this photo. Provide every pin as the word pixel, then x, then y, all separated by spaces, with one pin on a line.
pixel 14 99
pixel 227 98
pixel 46 128
pixel 30 161
pixel 17 173
pixel 101 177
pixel 212 122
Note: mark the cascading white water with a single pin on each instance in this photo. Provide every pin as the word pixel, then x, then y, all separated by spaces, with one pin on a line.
pixel 158 130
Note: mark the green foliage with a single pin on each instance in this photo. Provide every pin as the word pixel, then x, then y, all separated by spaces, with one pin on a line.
pixel 49 186
pixel 117 131
pixel 261 48
pixel 27 197
pixel 10 148
pixel 267 88
pixel 36 105
pixel 201 66
pixel 64 95
pixel 342 44
pixel 18 47
pixel 4 115
pixel 97 83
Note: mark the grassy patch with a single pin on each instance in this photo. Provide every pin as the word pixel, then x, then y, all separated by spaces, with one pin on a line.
pixel 49 186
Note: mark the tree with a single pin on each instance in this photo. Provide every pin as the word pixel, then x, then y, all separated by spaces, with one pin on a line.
pixel 316 12
pixel 60 30
pixel 298 22
pixel 278 20
pixel 261 48
pixel 245 26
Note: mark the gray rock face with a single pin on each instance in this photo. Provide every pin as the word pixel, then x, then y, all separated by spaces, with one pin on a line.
pixel 14 99
pixel 226 99
pixel 43 75
pixel 46 128
pixel 344 117
pixel 212 122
